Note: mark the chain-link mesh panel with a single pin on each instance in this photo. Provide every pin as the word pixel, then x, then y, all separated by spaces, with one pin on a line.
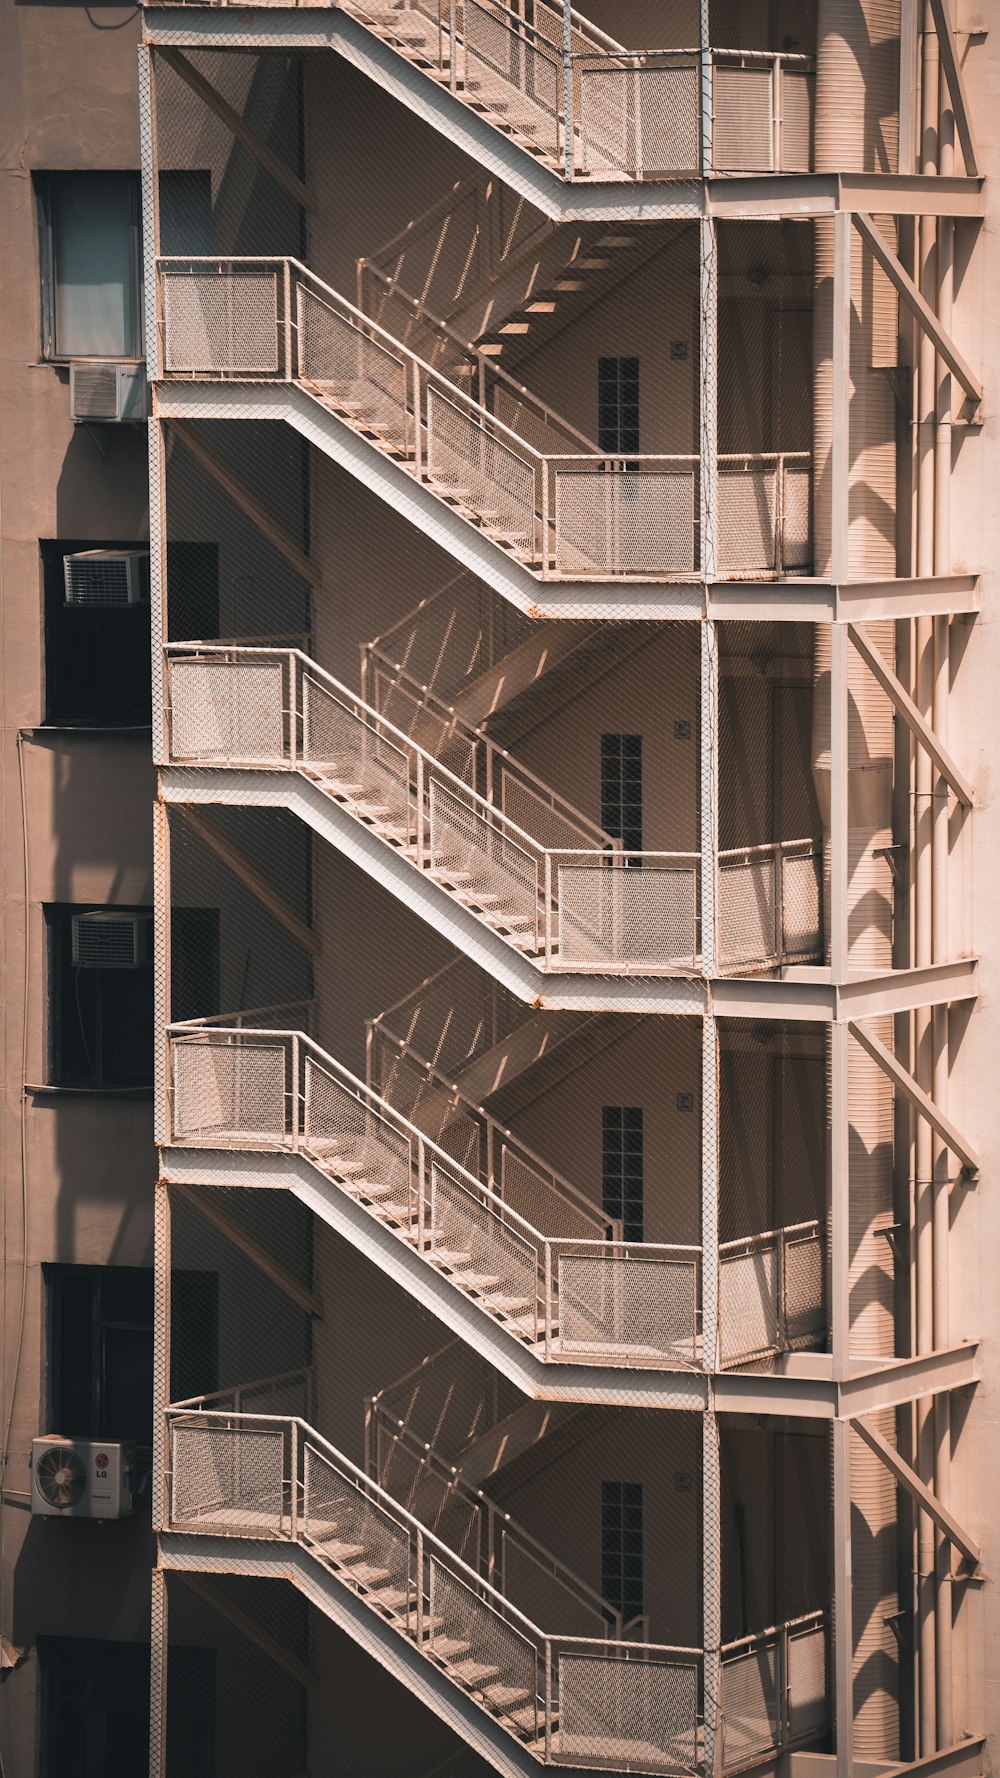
pixel 421 1484
pixel 228 1090
pixel 808 1702
pixel 628 916
pixel 228 1476
pixel 743 136
pixel 349 751
pixel 358 374
pixel 228 710
pixel 802 905
pixel 805 1300
pixel 482 472
pixel 488 867
pixel 748 1302
pixel 798 119
pixel 490 1258
pixel 223 322
pixel 550 823
pixel 750 1703
pixel 747 911
pixel 529 1191
pixel 624 521
pixel 635 1304
pixel 509 71
pixel 371 1551
pixel 350 1137
pixel 645 121
pixel 628 1710
pixel 499 1665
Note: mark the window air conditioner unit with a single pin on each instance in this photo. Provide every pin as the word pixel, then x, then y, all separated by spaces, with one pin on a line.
pixel 107 577
pixel 101 391
pixel 108 940
pixel 81 1478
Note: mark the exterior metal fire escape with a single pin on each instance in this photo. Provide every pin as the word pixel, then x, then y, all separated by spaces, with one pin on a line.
pixel 857 929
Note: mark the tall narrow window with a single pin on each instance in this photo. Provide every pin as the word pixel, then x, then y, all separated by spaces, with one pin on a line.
pixel 621 1547
pixel 621 789
pixel 91 240
pixel 622 1167
pixel 618 406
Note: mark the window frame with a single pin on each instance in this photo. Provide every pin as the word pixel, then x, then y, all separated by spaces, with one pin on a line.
pixel 45 184
pixel 618 378
pixel 617 750
pixel 619 1203
pixel 58 925
pixel 109 621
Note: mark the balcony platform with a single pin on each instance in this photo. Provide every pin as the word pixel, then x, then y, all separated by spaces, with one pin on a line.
pixel 732 197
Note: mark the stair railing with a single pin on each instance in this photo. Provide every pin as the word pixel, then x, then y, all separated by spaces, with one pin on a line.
pixel 241 1475
pixel 563 515
pixel 578 906
pixel 563 1296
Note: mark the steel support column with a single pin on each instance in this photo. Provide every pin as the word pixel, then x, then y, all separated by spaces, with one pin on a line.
pixel 711 1545
pixel 843 1636
pixel 161 969
pixel 710 1193
pixel 839 1204
pixel 158 1675
pixel 161 1352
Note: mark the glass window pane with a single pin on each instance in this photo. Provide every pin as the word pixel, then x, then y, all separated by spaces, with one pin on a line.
pixel 93 221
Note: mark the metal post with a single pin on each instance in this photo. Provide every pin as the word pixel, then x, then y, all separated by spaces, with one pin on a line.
pixel 158 624
pixel 159 1642
pixel 839 864
pixel 286 273
pixel 843 1637
pixel 420 835
pixel 568 88
pixel 417 442
pixel 706 89
pixel 161 1351
pixel 293 1493
pixel 298 1119
pixel 162 1096
pixel 709 796
pixel 843 227
pixel 709 1194
pixel 150 206
pixel 708 354
pixel 776 115
pixel 711 1609
pixel 839 1202
pixel 293 712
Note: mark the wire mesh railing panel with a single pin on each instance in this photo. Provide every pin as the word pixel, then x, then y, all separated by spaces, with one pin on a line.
pixel 541 815
pixel 628 1710
pixel 221 321
pixel 355 371
pixel 487 864
pixel 609 1301
pixel 747 912
pixel 495 1261
pixel 808 1704
pixel 540 1592
pixel 625 915
pixel 535 1195
pixel 496 58
pixel 798 114
pixel 796 508
pixel 422 1484
pixel 500 1664
pixel 747 521
pixel 228 710
pixel 743 129
pixel 805 1302
pixel 624 521
pixel 639 120
pixel 481 471
pixel 343 746
pixel 750 1703
pixel 372 1552
pixel 228 1475
pixel 228 1091
pixel 749 1316
pixel 346 1134
pixel 802 904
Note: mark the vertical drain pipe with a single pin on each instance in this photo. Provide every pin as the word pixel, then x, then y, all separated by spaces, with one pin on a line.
pixel 940 937
pixel 855 105
pixel 924 874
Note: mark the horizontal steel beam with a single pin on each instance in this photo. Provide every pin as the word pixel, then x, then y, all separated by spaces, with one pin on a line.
pixel 810 995
pixel 915 1095
pixel 966 1759
pixel 750 196
pixel 889 1385
pixel 945 1521
pixel 820 601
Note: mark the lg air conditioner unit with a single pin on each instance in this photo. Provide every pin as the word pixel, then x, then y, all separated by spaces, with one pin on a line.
pixel 102 392
pixel 109 940
pixel 107 579
pixel 81 1478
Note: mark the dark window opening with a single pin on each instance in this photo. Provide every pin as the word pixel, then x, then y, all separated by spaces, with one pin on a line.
pixel 90 229
pixel 618 406
pixel 101 1018
pixel 97 672
pixel 621 1547
pixel 621 789
pixel 101 1351
pixel 95 1706
pixel 622 1164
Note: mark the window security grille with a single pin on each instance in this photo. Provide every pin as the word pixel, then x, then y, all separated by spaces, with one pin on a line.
pixel 622 1163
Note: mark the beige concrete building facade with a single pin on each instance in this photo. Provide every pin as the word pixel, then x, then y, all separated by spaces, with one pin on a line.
pixel 522 1107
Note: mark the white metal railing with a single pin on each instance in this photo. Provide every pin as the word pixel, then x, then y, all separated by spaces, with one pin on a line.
pixel 568 1699
pixel 484 1534
pixel 454 1016
pixel 581 515
pixel 770 905
pixel 562 1295
pixel 771 1293
pixel 444 643
pixel 763 523
pixel 773 1691
pixel 568 906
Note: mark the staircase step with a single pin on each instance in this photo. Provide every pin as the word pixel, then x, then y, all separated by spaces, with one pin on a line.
pixel 502 1697
pixel 367 1575
pixel 507 1305
pixel 449 1648
pixel 476 1282
pixel 344 1554
pixel 473 1674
